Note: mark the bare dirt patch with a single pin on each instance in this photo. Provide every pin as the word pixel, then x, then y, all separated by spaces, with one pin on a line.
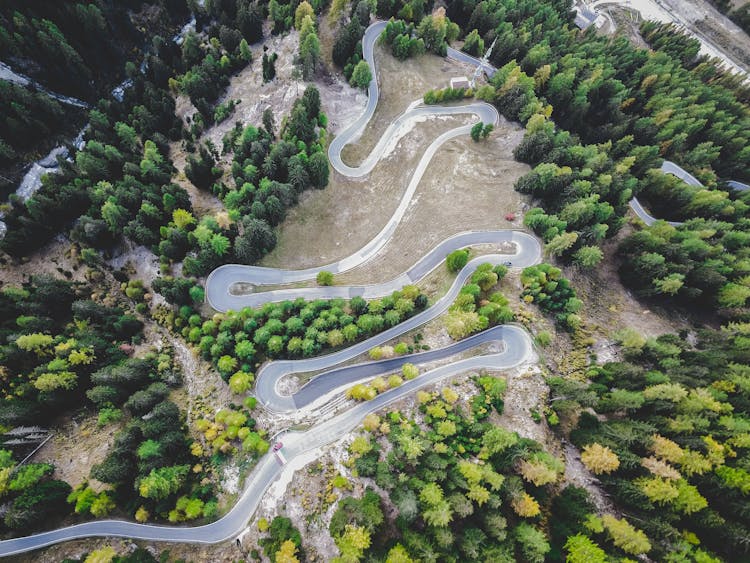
pixel 77 445
pixel 330 224
pixel 469 186
pixel 526 393
pixel 615 308
pixel 401 83
pixel 203 391
pixel 305 499
pixel 202 383
pixel 59 258
pixel 202 394
pixel 141 263
pixel 628 23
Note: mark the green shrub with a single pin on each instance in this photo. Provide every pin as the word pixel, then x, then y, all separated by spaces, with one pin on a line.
pixel 543 339
pixel 108 415
pixel 457 260
pixel 324 278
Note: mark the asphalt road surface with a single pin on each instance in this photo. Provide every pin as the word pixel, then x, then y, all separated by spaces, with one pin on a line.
pixel 669 167
pixel 219 283
pixel 268 377
pixel 516 349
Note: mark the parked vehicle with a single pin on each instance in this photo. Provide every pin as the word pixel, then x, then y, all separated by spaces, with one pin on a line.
pixel 280 457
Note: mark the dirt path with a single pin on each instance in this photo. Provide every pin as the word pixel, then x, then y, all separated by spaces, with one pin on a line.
pixel 206 391
pixel 57 259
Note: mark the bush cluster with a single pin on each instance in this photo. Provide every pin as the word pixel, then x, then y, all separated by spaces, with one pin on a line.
pixel 545 285
pixel 237 341
pixel 476 307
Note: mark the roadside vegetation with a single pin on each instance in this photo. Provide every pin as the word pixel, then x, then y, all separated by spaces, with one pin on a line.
pixel 64 351
pixel 153 466
pixel 347 47
pixel 661 430
pixel 239 341
pixel 663 426
pixel 433 34
pixel 442 480
pixel 477 306
pixel 618 111
pixel 267 177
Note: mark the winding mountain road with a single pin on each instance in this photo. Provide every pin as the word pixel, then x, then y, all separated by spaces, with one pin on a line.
pixel 269 375
pixel 739 186
pixel 669 167
pixel 332 380
pixel 516 343
pixel 517 348
pixel 219 283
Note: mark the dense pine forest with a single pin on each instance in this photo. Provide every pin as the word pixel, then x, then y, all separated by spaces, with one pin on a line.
pixel 664 427
pixel 81 50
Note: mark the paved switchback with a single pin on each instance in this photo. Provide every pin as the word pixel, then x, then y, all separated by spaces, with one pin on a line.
pixel 516 349
pixel 219 283
pixel 268 377
pixel 669 167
